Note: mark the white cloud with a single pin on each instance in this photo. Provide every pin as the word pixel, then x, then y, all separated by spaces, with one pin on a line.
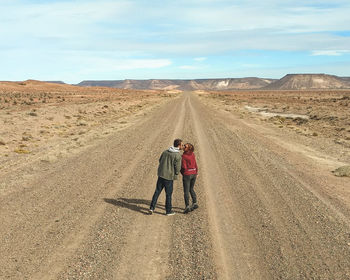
pixel 289 16
pixel 330 52
pixel 229 41
pixel 95 37
pixel 208 27
pixel 61 24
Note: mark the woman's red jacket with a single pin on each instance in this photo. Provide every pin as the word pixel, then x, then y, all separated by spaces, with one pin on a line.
pixel 189 164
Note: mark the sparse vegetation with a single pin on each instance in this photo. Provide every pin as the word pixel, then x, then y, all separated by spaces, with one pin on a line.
pixel 326 111
pixel 51 112
pixel 343 171
pixel 33 114
pixel 21 151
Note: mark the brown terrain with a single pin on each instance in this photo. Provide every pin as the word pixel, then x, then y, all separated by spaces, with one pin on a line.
pixel 311 113
pixel 78 169
pixel 37 115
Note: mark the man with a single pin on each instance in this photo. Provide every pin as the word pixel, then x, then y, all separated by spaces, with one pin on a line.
pixel 168 170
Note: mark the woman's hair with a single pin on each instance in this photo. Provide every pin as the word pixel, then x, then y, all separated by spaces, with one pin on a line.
pixel 190 147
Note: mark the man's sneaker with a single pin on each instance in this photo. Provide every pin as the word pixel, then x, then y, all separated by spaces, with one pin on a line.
pixel 150 211
pixel 171 213
pixel 194 206
pixel 187 209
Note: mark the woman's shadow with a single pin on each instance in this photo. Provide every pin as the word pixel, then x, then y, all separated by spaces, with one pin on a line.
pixel 138 205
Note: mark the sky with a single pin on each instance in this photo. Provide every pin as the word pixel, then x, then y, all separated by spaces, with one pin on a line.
pixel 72 41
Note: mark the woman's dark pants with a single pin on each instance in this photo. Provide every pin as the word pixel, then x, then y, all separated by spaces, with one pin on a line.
pixel 168 185
pixel 188 183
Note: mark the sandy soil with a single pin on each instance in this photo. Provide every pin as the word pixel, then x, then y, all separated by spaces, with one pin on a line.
pixel 270 208
pixel 49 121
pixel 310 113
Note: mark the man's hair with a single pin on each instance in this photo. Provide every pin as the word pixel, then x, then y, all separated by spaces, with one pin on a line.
pixel 177 142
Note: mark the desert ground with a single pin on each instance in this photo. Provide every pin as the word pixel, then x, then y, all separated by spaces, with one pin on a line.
pixel 78 168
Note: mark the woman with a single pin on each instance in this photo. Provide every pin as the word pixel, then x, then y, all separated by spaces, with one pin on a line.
pixel 189 171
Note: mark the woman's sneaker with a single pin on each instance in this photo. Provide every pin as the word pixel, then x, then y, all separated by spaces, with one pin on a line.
pixel 150 211
pixel 171 213
pixel 187 209
pixel 194 206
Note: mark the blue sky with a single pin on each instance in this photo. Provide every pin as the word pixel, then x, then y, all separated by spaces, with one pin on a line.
pixel 137 39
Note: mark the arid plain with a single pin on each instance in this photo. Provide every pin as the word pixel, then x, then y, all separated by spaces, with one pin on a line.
pixel 78 168
pixel 37 116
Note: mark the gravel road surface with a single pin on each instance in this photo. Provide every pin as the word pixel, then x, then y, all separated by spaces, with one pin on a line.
pixel 265 211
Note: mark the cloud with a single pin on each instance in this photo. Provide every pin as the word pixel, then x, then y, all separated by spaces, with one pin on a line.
pixel 209 27
pixel 330 52
pixel 101 37
pixel 289 16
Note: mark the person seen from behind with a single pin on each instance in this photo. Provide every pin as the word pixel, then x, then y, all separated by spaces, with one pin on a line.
pixel 168 169
pixel 189 171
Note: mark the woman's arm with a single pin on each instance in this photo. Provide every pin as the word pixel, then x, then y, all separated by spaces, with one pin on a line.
pixel 183 165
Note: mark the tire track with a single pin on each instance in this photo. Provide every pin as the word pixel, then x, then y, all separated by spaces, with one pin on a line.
pixel 191 244
pixel 58 217
pixel 235 256
pixel 151 253
pixel 294 232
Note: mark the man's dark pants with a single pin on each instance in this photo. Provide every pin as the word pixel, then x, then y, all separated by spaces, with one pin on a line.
pixel 188 183
pixel 168 185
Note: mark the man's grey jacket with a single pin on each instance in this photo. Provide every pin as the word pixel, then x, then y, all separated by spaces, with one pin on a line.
pixel 169 164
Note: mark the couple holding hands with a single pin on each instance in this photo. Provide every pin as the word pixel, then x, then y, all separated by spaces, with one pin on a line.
pixel 171 163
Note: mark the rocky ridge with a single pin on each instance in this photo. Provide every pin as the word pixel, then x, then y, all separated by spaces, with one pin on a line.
pixel 310 81
pixel 186 85
pixel 288 82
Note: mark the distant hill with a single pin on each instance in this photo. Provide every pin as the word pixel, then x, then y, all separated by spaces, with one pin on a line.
pixel 347 79
pixel 288 82
pixel 310 81
pixel 38 87
pixel 196 84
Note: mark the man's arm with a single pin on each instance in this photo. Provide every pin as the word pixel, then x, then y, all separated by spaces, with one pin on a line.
pixel 177 164
pixel 161 157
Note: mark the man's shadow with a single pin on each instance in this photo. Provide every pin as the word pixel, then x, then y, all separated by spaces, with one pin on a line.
pixel 138 205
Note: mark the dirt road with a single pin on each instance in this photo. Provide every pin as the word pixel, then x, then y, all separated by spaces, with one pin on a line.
pixel 266 211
